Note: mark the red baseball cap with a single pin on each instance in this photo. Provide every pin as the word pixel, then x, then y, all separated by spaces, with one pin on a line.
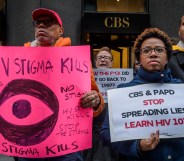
pixel 43 11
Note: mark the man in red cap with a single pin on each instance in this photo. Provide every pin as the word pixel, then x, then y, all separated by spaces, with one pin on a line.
pixel 48 29
pixel 48 32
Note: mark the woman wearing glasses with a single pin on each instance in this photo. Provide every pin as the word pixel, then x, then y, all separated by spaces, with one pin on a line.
pixel 99 151
pixel 152 49
pixel 104 58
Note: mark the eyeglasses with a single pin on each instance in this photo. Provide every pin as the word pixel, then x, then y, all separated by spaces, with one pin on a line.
pixel 46 22
pixel 99 58
pixel 158 50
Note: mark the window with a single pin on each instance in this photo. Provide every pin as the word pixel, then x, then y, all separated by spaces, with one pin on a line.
pixel 121 6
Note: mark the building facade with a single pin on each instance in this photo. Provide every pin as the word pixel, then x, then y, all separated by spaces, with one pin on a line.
pixel 112 23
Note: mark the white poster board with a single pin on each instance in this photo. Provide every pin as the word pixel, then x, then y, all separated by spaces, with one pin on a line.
pixel 110 78
pixel 137 111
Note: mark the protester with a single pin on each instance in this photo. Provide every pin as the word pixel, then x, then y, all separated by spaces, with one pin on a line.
pixel 104 58
pixel 152 49
pixel 48 32
pixel 100 152
pixel 176 62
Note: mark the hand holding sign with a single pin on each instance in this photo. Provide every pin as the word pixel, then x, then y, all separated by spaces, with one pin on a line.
pixel 150 143
pixel 90 99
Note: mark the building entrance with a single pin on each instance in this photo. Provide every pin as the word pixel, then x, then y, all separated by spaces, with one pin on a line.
pixel 119 44
pixel 117 31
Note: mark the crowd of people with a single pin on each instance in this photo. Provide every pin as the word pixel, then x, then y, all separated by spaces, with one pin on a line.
pixel 156 61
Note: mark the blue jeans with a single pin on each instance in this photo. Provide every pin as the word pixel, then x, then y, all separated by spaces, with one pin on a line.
pixel 68 157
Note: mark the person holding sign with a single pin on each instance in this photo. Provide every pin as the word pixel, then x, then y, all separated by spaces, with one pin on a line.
pixel 48 32
pixel 103 60
pixel 152 49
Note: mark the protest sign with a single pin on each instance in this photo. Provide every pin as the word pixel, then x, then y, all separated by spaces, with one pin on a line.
pixel 109 78
pixel 40 91
pixel 135 112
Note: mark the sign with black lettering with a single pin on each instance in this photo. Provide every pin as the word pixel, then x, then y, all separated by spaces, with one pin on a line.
pixel 135 112
pixel 40 114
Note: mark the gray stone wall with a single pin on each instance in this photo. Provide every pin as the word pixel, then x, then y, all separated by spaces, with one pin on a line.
pixel 165 14
pixel 19 20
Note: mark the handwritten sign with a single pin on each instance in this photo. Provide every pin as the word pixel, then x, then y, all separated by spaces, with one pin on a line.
pixel 109 78
pixel 135 112
pixel 40 91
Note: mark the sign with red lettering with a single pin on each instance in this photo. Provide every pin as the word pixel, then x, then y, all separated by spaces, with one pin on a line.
pixel 40 114
pixel 135 112
pixel 110 78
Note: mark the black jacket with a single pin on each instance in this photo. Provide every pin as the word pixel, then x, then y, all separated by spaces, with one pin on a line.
pixel 176 63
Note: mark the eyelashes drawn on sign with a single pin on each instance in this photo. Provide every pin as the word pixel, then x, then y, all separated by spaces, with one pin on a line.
pixel 27 135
